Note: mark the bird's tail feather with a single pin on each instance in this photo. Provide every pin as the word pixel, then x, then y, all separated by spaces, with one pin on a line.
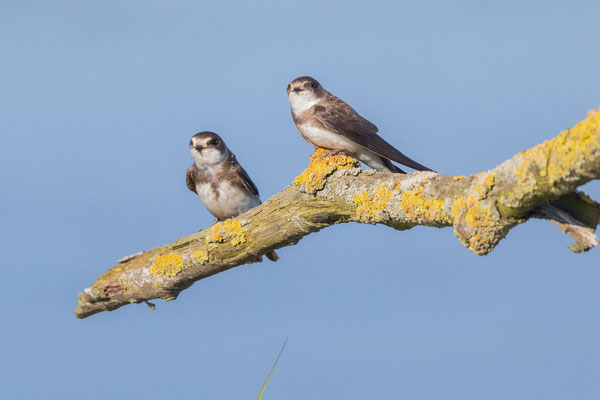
pixel 392 168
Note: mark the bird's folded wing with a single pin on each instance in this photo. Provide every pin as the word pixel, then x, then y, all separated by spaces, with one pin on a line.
pixel 242 177
pixel 189 179
pixel 344 120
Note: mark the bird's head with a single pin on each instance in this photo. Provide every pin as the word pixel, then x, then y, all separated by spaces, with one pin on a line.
pixel 208 148
pixel 304 92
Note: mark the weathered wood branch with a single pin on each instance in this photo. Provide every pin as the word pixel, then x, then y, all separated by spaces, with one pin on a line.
pixel 482 208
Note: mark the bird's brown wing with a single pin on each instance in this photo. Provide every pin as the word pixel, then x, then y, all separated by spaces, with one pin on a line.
pixel 189 179
pixel 241 176
pixel 339 117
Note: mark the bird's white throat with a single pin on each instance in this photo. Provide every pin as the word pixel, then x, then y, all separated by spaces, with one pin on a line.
pixel 302 101
pixel 209 157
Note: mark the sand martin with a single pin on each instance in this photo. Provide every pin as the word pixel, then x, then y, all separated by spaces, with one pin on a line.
pixel 223 185
pixel 326 121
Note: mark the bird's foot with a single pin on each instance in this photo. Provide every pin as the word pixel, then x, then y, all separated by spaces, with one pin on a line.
pixel 213 224
pixel 329 153
pixel 272 256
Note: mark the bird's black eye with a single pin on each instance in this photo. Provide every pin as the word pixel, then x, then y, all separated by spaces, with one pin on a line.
pixel 297 89
pixel 314 85
pixel 214 142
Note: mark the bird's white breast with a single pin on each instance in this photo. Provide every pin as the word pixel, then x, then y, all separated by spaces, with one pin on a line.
pixel 225 200
pixel 302 101
pixel 320 137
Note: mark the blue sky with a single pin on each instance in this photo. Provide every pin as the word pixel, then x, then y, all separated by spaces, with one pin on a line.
pixel 99 100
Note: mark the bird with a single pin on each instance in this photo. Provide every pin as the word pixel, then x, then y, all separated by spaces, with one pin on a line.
pixel 216 176
pixel 326 121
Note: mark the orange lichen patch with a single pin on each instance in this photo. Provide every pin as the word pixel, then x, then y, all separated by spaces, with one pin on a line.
pixel 382 195
pixel 434 210
pixel 372 210
pixel 200 256
pixel 418 209
pixel 477 216
pixel 411 197
pixel 231 230
pixel 457 207
pixel 481 243
pixel 168 265
pixel 366 209
pixel 322 164
pixel 474 222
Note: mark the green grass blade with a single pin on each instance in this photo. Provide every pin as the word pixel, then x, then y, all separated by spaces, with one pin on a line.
pixel 262 390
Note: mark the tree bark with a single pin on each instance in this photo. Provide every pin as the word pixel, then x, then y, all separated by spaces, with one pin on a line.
pixel 481 208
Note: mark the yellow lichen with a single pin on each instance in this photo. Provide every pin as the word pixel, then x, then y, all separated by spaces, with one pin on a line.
pixel 458 178
pixel 582 141
pixel 552 158
pixel 486 183
pixel 418 209
pixel 168 265
pixel 542 170
pixel 231 230
pixel 477 216
pixel 382 195
pixel 474 222
pixel 366 210
pixel 371 210
pixel 200 256
pixel 434 210
pixel 322 164
pixel 457 207
pixel 412 199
